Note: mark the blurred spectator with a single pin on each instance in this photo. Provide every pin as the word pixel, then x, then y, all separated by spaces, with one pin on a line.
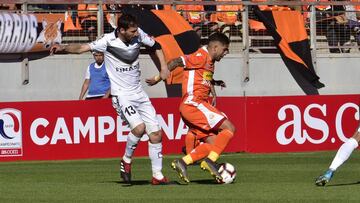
pixel 33 7
pixel 141 6
pixel 72 10
pixel 227 17
pixel 272 7
pixel 96 79
pixel 60 7
pixel 87 14
pixel 330 18
pixel 150 7
pixel 10 6
pixel 259 26
pixel 194 14
pixel 14 8
pixel 352 16
pixel 113 13
pixel 338 33
pixel 321 18
pixel 47 7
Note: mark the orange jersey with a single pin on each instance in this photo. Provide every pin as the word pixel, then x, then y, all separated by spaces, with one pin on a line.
pixel 198 74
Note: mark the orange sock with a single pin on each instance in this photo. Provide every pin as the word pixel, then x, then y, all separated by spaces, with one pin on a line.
pixel 221 141
pixel 200 152
pixel 190 142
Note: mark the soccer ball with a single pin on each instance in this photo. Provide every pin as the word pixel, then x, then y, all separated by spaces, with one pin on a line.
pixel 227 172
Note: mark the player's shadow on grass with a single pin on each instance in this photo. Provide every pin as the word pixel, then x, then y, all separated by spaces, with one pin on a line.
pixel 343 184
pixel 134 182
pixel 205 182
pixel 142 182
pixel 146 182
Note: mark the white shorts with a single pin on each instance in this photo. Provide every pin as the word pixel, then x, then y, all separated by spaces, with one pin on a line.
pixel 136 109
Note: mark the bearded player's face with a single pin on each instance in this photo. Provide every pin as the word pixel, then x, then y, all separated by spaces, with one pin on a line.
pixel 130 33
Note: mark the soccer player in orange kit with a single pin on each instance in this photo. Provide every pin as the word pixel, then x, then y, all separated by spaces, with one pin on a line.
pixel 196 110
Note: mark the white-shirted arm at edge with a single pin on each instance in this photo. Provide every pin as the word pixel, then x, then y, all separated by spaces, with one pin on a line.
pixel 87 73
pixel 99 44
pixel 145 38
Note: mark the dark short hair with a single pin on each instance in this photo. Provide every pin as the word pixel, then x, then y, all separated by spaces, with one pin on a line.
pixel 97 52
pixel 126 20
pixel 219 37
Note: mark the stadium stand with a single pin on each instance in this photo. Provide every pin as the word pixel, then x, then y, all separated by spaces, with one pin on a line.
pixel 337 26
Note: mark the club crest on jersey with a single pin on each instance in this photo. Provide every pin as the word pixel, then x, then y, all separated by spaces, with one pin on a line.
pixel 207 78
pixel 207 75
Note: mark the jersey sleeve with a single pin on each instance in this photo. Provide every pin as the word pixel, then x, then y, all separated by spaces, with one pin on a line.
pixel 99 45
pixel 145 38
pixel 194 61
pixel 87 73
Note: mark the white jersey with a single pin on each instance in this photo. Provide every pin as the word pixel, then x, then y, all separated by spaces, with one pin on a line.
pixel 122 61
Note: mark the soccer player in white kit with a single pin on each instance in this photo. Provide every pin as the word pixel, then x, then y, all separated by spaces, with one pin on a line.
pixel 342 155
pixel 122 49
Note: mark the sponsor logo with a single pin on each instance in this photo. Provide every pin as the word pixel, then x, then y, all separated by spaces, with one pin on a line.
pixel 207 78
pixel 10 132
pixel 207 75
pixel 94 130
pixel 295 120
pixel 125 69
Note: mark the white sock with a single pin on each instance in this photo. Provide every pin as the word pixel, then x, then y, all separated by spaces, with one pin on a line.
pixel 131 144
pixel 156 160
pixel 343 153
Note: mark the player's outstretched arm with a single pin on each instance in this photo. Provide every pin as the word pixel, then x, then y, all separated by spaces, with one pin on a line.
pixel 164 71
pixel 170 66
pixel 220 83
pixel 69 48
pixel 178 62
pixel 213 93
pixel 84 89
pixel 212 88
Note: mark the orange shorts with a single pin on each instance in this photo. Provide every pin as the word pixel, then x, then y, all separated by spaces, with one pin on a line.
pixel 202 116
pixel 200 135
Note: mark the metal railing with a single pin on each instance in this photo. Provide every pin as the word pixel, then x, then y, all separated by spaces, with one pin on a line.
pixel 326 33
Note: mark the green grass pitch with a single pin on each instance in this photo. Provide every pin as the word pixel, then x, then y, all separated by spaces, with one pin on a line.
pixel 279 177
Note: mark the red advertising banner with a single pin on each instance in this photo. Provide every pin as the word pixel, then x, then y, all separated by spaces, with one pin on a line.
pixel 86 129
pixel 300 123
pixel 59 130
